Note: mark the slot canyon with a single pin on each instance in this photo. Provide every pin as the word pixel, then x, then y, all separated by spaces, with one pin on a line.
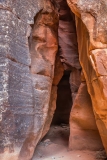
pixel 53 73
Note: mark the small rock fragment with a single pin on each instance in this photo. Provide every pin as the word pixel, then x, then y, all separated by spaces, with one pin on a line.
pixel 78 156
pixel 47 140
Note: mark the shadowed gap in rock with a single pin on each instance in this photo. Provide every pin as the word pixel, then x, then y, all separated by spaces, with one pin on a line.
pixel 68 86
pixel 64 101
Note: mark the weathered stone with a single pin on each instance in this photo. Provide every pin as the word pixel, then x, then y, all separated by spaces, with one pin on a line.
pixel 75 81
pixel 51 110
pixel 59 71
pixel 27 95
pixel 92 41
pixel 93 15
pixel 23 10
pixel 83 130
pixel 16 106
pixel 24 101
pixel 68 47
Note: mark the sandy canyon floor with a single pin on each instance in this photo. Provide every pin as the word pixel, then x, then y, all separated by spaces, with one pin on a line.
pixel 55 147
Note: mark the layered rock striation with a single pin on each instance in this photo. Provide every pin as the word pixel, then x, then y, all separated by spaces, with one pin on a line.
pixel 27 70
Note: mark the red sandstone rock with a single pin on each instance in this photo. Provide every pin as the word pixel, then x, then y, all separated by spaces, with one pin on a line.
pixel 92 42
pixel 26 108
pixel 68 47
pixel 51 111
pixel 58 73
pixel 84 134
pixel 75 81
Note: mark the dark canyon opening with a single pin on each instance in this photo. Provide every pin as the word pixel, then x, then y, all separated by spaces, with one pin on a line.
pixel 53 79
pixel 68 85
pixel 68 56
pixel 64 101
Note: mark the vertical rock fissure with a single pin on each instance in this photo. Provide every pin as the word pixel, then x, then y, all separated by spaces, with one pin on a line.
pixel 67 66
pixel 69 56
pixel 63 102
pixel 67 61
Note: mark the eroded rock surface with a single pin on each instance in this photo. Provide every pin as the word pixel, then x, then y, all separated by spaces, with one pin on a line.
pixel 84 132
pixel 28 91
pixel 91 32
pixel 68 47
pixel 25 87
pixel 58 73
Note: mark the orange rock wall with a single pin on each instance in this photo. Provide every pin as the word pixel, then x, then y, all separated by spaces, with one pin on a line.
pixel 84 133
pixel 92 41
pixel 28 91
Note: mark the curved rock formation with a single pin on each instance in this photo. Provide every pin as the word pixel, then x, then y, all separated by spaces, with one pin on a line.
pixel 68 46
pixel 84 133
pixel 28 88
pixel 91 22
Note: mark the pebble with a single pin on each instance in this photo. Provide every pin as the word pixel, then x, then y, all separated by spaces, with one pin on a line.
pixel 63 125
pixel 78 156
pixel 53 157
pixel 47 141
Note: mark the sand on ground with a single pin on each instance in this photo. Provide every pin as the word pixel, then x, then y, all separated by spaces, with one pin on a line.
pixel 54 146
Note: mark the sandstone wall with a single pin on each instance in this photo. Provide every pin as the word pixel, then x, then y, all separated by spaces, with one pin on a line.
pixel 84 133
pixel 92 41
pixel 25 87
pixel 80 134
pixel 58 73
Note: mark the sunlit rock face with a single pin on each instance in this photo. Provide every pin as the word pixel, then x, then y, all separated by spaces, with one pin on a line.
pixel 69 54
pixel 91 23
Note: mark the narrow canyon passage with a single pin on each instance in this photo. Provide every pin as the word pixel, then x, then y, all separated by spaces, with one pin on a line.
pixel 70 115
pixel 57 139
pixel 67 81
pixel 63 102
pixel 53 80
pixel 54 146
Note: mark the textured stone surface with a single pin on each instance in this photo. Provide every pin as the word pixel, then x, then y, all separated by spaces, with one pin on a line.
pixel 75 81
pixel 59 70
pixel 84 133
pixel 25 89
pixel 68 47
pixel 51 110
pixel 27 97
pixel 92 41
pixel 58 73
pixel 16 94
pixel 23 10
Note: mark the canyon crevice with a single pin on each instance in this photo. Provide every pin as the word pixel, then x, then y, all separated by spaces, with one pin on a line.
pixel 46 45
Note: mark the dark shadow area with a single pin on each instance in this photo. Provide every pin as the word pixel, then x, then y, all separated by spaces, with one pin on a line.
pixel 64 101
